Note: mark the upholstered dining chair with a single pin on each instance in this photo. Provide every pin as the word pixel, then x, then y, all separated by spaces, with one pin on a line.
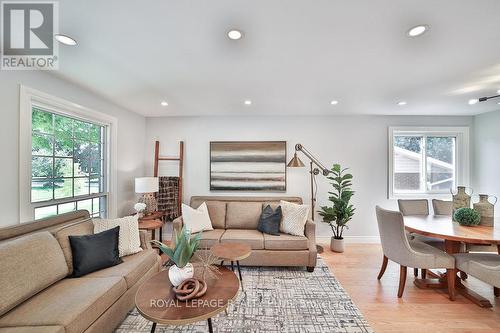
pixel 483 266
pixel 442 207
pixel 419 207
pixel 413 253
pixel 413 206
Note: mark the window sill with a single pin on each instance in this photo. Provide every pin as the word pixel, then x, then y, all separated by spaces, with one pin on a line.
pixel 420 196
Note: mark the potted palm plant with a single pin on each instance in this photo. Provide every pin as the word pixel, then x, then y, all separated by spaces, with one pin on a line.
pixel 182 252
pixel 341 211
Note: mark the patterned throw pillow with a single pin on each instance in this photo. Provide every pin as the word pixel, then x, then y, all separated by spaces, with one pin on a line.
pixel 129 241
pixel 294 218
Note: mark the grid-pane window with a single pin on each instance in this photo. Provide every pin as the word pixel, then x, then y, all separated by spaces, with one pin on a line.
pixel 425 162
pixel 67 164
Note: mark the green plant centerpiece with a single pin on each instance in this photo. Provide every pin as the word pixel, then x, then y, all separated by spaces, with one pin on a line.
pixel 182 252
pixel 341 211
pixel 467 217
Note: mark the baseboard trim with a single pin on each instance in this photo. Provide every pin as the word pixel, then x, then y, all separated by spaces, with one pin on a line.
pixel 351 239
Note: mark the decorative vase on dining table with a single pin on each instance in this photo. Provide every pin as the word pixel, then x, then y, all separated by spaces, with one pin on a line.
pixel 486 209
pixel 461 199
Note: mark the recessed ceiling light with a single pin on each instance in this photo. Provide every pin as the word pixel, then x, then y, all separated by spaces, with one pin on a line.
pixel 334 102
pixel 417 30
pixel 64 39
pixel 164 103
pixel 248 102
pixel 401 103
pixel 473 101
pixel 234 34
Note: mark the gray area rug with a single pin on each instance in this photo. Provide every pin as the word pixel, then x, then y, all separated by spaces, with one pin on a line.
pixel 277 299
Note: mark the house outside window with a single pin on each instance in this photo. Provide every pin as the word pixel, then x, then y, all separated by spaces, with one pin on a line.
pixel 427 162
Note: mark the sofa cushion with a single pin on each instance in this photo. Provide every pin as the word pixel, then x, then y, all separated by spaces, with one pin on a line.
pixel 269 222
pixel 72 303
pixel 210 238
pixel 94 252
pixel 243 215
pixel 77 229
pixel 28 265
pixel 216 211
pixel 33 329
pixel 132 269
pixel 129 241
pixel 285 242
pixel 253 238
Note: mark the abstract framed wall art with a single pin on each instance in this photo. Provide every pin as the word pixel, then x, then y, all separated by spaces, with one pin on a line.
pixel 248 166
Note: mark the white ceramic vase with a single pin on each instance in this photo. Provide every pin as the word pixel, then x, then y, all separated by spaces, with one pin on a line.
pixel 337 245
pixel 177 275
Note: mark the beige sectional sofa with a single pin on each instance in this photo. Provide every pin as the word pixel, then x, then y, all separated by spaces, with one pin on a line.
pixel 235 219
pixel 37 294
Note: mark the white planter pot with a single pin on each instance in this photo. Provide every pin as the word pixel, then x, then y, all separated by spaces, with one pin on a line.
pixel 177 275
pixel 337 245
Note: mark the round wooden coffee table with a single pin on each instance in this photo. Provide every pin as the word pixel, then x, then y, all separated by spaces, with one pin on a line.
pixel 232 252
pixel 156 301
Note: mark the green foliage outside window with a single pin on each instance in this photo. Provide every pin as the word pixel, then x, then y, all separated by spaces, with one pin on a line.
pixel 62 149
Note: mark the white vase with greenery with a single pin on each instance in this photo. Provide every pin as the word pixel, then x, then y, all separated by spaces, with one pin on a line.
pixel 182 252
pixel 341 211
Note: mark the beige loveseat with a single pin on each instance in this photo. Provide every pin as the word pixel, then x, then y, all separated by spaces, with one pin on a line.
pixel 36 293
pixel 235 219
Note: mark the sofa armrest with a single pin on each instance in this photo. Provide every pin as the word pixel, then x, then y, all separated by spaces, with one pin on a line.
pixel 176 227
pixel 310 232
pixel 145 237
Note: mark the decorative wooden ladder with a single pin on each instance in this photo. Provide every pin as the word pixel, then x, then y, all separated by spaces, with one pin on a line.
pixel 180 159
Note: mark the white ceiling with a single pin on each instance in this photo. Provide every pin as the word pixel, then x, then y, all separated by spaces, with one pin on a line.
pixel 296 56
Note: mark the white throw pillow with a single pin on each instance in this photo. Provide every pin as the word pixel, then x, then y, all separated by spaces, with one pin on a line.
pixel 294 218
pixel 129 241
pixel 196 220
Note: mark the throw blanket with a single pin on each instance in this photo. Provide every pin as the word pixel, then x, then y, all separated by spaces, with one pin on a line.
pixel 168 197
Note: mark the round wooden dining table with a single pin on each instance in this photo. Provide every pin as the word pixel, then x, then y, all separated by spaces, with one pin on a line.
pixel 454 235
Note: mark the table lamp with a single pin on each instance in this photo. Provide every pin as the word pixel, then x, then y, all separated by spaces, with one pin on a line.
pixel 147 186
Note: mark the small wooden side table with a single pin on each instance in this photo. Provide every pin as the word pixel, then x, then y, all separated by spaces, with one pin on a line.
pixel 232 252
pixel 152 225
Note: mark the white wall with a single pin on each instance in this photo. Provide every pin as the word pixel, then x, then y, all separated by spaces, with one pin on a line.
pixel 358 142
pixel 486 165
pixel 131 134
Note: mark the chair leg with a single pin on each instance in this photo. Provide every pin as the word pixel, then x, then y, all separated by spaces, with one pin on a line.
pixel 451 275
pixel 415 272
pixel 496 291
pixel 382 269
pixel 423 272
pixel 402 280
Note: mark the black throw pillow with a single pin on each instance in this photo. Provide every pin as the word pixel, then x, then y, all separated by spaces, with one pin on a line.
pixel 94 252
pixel 269 222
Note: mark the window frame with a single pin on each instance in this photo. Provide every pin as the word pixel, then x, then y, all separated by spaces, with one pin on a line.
pixel 28 98
pixel 462 159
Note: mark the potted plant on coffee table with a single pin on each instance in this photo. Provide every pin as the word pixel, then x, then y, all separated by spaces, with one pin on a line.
pixel 341 211
pixel 182 252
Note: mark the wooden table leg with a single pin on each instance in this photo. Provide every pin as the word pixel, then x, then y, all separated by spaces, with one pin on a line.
pixel 452 247
pixel 440 281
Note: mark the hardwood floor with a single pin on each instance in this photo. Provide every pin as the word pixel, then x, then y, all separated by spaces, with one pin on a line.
pixel 418 310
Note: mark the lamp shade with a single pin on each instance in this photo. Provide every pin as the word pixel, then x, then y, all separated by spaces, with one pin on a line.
pixel 146 185
pixel 295 162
